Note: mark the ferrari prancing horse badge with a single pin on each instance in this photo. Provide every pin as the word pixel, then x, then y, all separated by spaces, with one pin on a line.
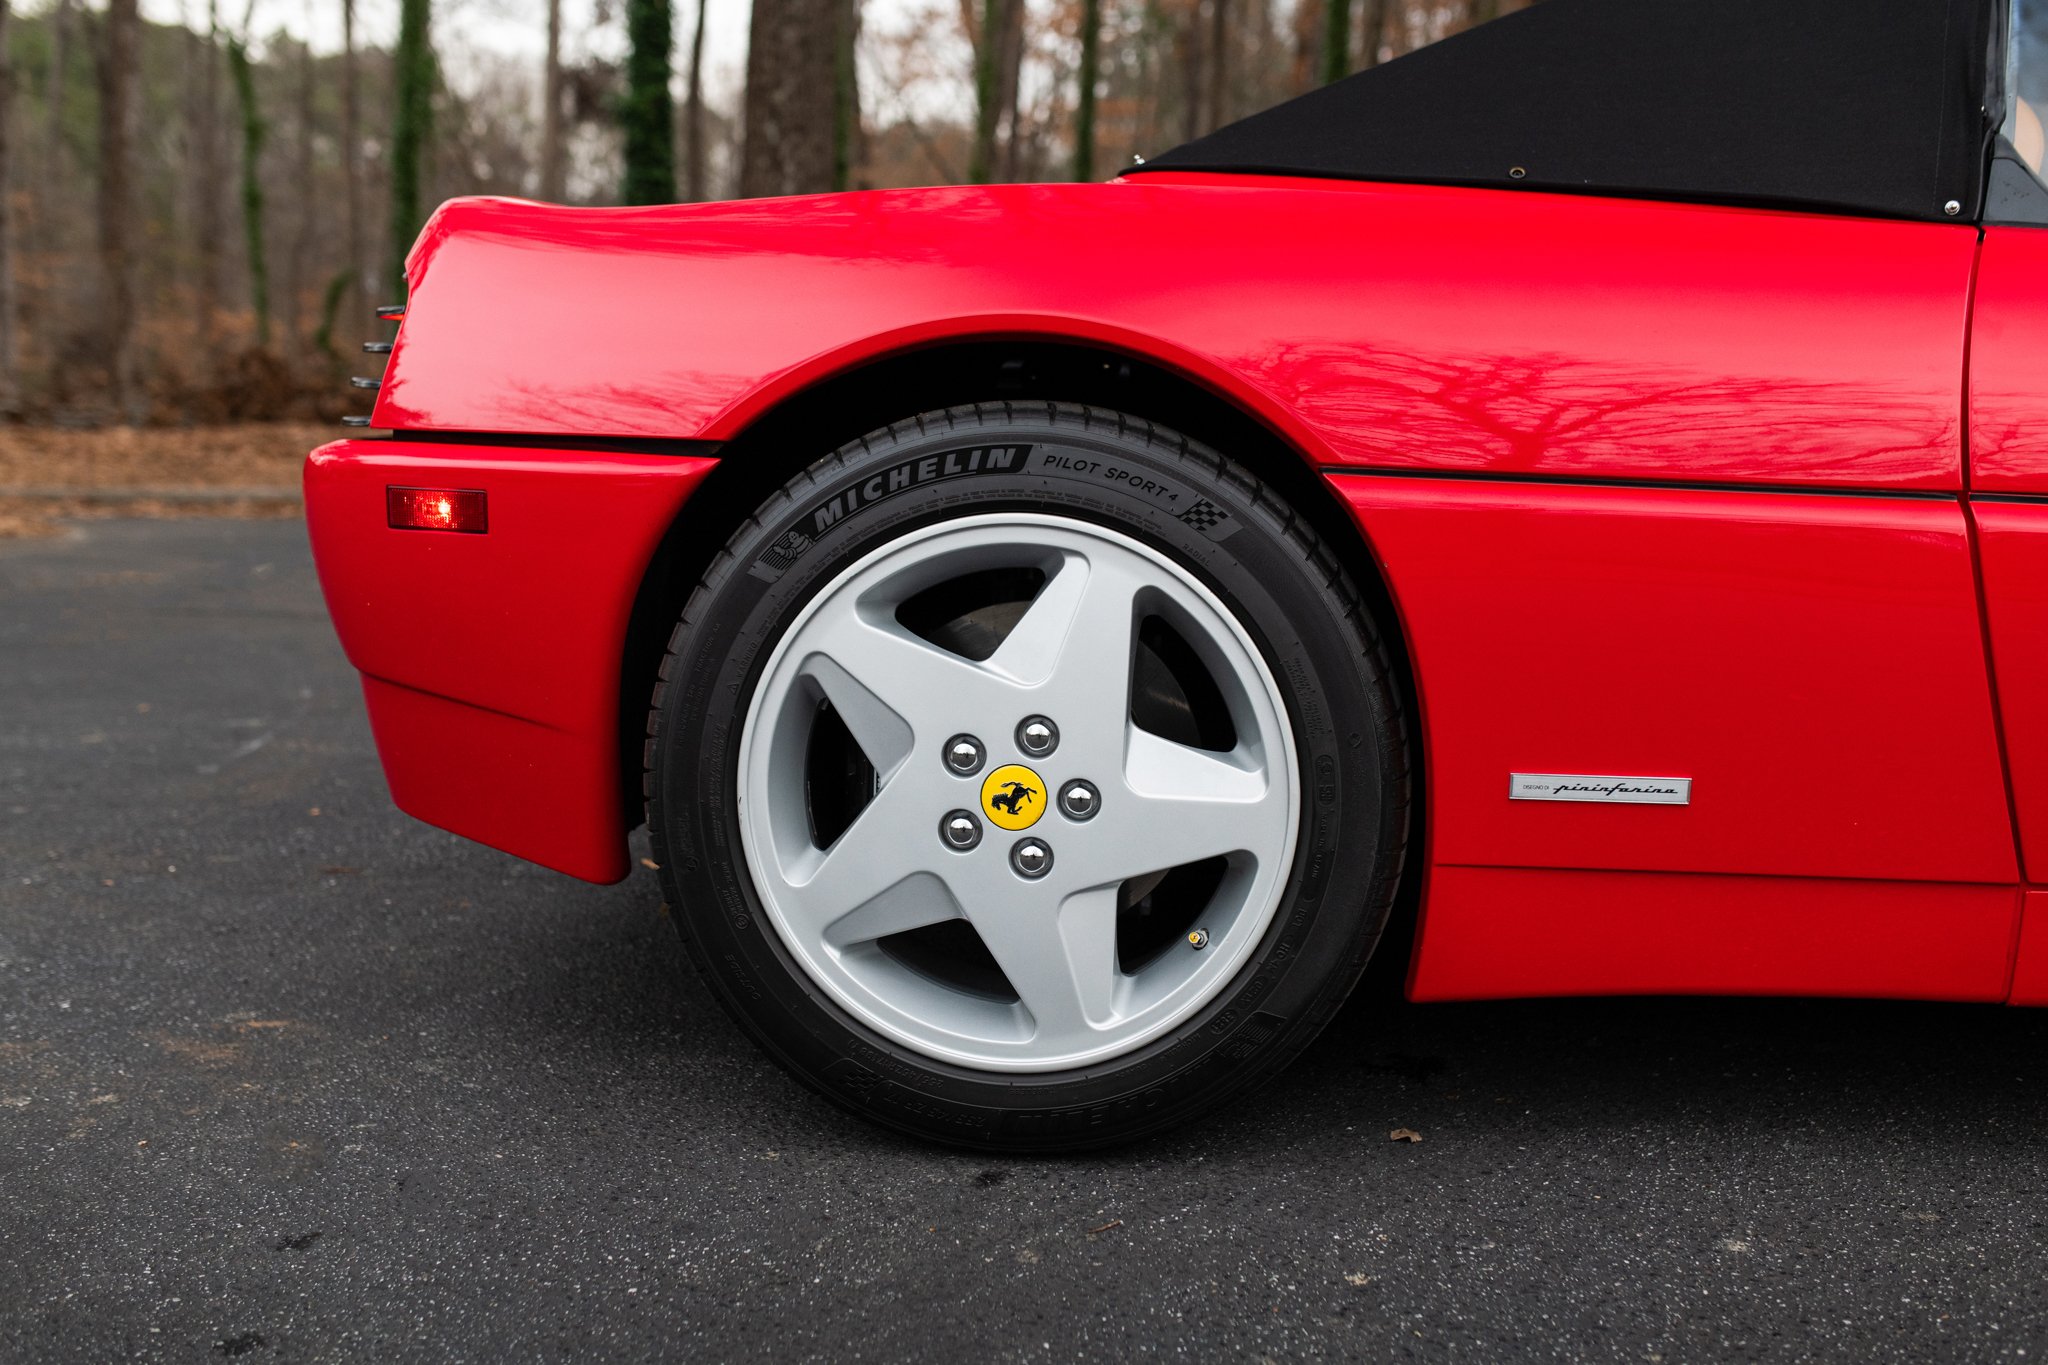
pixel 1013 797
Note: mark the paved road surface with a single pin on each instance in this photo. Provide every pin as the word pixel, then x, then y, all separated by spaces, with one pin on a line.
pixel 287 1076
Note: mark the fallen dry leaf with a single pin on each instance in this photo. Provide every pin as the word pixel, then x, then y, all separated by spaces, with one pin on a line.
pixel 1358 1281
pixel 1404 1135
pixel 1112 1223
pixel 649 862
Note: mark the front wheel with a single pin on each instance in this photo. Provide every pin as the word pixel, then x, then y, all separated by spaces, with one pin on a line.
pixel 1027 777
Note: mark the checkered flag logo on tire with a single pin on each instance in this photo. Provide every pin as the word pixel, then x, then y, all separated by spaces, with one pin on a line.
pixel 1204 515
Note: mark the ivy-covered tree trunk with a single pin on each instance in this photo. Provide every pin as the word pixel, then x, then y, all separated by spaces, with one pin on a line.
pixel 412 124
pixel 299 257
pixel 987 92
pixel 253 131
pixel 1089 77
pixel 647 114
pixel 1337 41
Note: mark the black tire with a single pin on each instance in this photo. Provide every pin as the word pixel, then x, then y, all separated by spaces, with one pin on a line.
pixel 1255 553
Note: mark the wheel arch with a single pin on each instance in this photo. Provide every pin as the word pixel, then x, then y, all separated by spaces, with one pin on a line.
pixel 805 422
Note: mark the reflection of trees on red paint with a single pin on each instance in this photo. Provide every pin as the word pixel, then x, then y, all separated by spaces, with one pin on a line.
pixel 1556 414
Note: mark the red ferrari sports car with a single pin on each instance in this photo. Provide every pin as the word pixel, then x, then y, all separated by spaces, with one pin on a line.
pixel 1591 473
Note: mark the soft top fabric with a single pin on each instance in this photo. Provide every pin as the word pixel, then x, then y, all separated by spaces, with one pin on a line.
pixel 1860 106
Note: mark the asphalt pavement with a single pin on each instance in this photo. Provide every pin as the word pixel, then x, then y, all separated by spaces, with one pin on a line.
pixel 287 1076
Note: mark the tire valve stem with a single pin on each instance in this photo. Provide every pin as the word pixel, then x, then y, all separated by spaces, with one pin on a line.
pixel 1198 939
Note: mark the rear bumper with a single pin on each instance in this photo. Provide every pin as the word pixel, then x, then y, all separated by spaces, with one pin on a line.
pixel 491 663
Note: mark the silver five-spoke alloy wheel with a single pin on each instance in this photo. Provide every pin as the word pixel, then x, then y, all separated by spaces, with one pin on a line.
pixel 1108 808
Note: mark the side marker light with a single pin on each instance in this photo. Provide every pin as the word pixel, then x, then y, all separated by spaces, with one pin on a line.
pixel 436 509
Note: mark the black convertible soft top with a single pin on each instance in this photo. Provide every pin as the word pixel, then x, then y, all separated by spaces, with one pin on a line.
pixel 1878 107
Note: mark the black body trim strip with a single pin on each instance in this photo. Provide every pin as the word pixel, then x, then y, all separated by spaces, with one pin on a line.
pixel 619 445
pixel 1671 485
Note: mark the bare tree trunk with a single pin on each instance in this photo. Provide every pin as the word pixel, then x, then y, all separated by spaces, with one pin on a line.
pixel 1307 29
pixel 792 88
pixel 1009 85
pixel 10 378
pixel 696 185
pixel 1401 40
pixel 206 185
pixel 53 106
pixel 352 173
pixel 1191 73
pixel 1219 63
pixel 552 172
pixel 53 89
pixel 188 189
pixel 1372 30
pixel 117 71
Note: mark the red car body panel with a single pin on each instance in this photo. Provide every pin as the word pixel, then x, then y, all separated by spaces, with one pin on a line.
pixel 2008 392
pixel 1398 326
pixel 491 662
pixel 1804 659
pixel 1492 932
pixel 2013 541
pixel 1655 489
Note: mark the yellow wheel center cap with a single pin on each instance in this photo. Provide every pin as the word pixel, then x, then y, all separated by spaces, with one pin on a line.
pixel 1013 797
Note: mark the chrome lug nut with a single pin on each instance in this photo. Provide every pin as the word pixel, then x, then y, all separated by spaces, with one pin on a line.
pixel 964 755
pixel 960 831
pixel 1037 736
pixel 1079 800
pixel 1031 858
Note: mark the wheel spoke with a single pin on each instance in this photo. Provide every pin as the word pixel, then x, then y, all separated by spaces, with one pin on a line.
pixel 916 901
pixel 1063 967
pixel 883 735
pixel 864 875
pixel 1081 626
pixel 1186 804
pixel 898 672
